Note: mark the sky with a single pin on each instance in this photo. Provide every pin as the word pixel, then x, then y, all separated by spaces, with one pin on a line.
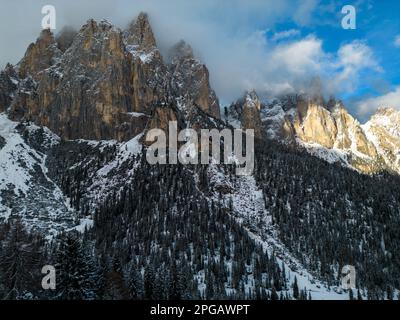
pixel 274 47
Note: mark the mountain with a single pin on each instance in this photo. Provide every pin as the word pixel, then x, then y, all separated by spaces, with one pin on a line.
pixel 328 131
pixel 77 192
pixel 384 131
pixel 106 85
pixel 246 113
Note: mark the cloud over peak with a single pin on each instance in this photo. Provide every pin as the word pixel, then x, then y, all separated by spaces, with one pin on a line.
pixel 231 36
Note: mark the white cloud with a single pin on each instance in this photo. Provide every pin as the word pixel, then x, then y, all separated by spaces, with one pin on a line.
pixel 397 41
pixel 300 57
pixel 228 35
pixel 304 11
pixel 352 59
pixel 390 99
pixel 285 34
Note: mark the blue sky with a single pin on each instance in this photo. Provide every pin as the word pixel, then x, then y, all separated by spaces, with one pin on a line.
pixel 271 46
pixel 378 25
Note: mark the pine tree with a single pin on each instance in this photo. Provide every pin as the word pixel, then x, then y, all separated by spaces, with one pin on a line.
pixel 75 275
pixel 351 294
pixel 116 288
pixel 274 295
pixel 149 282
pixel 295 289
pixel 19 264
pixel 135 283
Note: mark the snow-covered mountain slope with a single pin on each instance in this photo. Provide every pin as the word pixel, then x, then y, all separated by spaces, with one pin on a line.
pixel 25 187
pixel 245 199
pixel 325 130
pixel 384 131
pixel 332 135
pixel 37 172
pixel 89 171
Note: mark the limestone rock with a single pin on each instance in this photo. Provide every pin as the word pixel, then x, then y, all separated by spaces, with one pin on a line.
pixel 39 56
pixel 247 111
pixel 190 79
pixel 309 121
pixel 149 76
pixel 383 129
pixel 8 85
pixel 140 34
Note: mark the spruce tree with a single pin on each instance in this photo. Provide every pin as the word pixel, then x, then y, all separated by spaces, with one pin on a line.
pixel 75 275
pixel 295 289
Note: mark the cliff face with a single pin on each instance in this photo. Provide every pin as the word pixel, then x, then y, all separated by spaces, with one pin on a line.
pixel 101 83
pixel 8 86
pixel 316 125
pixel 39 56
pixel 149 76
pixel 246 112
pixel 87 93
pixel 384 131
pixel 190 80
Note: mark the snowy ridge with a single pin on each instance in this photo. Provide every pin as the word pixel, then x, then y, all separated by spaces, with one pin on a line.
pixel 25 188
pixel 145 57
pixel 383 130
pixel 114 174
pixel 331 156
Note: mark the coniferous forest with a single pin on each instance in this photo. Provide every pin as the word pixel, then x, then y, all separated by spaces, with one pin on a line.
pixel 162 237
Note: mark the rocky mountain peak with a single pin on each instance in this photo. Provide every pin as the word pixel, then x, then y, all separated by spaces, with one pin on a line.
pixel 190 79
pixel 386 111
pixel 101 83
pixel 383 129
pixel 9 70
pixel 39 56
pixel 252 101
pixel 140 34
pixel 246 113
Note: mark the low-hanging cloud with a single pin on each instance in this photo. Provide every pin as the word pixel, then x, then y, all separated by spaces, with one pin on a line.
pixel 233 37
pixel 390 99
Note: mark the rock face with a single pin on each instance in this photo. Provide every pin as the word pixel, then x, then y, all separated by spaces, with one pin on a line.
pixel 312 123
pixel 39 56
pixel 140 35
pixel 149 76
pixel 102 83
pixel 247 112
pixel 8 86
pixel 87 93
pixel 384 131
pixel 190 79
pixel 324 129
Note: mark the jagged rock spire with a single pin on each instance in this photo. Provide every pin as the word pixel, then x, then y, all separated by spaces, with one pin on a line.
pixel 250 113
pixel 39 56
pixel 191 79
pixel 140 34
pixel 251 100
